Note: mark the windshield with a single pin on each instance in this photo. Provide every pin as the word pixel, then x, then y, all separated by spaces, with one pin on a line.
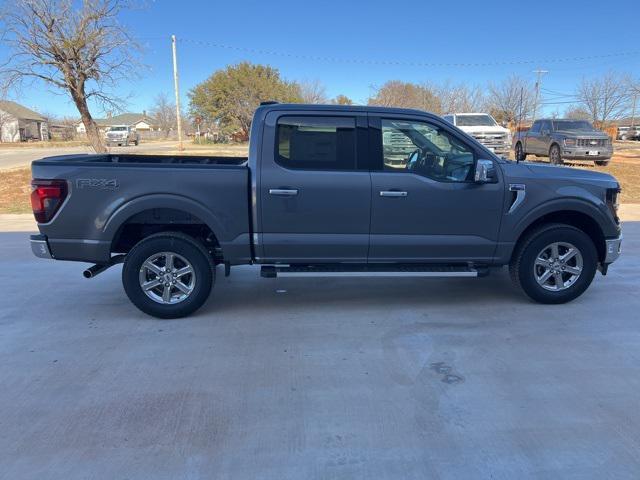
pixel 573 125
pixel 475 121
pixel 118 129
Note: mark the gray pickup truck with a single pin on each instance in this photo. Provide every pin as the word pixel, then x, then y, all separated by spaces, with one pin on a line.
pixel 561 140
pixel 321 194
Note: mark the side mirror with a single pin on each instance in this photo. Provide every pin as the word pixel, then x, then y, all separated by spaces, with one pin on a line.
pixel 485 172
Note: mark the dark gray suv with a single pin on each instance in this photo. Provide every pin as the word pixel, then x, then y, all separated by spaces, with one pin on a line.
pixel 562 139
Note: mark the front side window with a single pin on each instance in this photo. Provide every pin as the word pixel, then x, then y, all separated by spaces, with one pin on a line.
pixel 535 128
pixel 425 149
pixel 317 143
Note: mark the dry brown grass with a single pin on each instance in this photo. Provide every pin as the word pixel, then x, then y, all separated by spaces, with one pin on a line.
pixel 14 190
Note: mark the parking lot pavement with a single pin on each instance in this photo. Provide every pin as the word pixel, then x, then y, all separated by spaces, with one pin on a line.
pixel 316 379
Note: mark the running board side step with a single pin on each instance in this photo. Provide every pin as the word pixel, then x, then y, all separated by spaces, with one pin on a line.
pixel 433 271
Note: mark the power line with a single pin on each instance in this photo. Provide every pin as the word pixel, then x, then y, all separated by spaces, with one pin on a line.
pixel 331 59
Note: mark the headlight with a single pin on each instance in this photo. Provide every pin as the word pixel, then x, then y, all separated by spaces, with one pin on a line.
pixel 611 199
pixel 570 142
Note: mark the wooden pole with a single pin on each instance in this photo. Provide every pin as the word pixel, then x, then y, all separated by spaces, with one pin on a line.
pixel 177 91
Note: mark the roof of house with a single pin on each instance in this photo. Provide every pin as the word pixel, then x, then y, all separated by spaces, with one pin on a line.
pixel 20 112
pixel 123 119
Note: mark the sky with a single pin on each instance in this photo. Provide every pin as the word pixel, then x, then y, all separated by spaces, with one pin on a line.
pixel 365 37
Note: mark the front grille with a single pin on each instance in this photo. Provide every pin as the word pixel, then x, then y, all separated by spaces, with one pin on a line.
pixel 592 142
pixel 494 140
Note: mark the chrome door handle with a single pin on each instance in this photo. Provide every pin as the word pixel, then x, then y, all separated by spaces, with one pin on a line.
pixel 283 192
pixel 393 193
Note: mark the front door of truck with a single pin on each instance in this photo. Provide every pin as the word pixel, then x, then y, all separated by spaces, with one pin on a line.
pixel 425 206
pixel 314 200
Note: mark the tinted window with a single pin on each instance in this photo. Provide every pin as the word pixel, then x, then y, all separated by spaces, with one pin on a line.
pixel 425 149
pixel 476 121
pixel 535 128
pixel 319 143
pixel 573 125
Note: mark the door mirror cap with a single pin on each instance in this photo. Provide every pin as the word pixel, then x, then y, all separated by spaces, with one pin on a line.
pixel 485 172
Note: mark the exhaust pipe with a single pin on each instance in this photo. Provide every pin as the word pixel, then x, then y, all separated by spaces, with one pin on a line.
pixel 98 268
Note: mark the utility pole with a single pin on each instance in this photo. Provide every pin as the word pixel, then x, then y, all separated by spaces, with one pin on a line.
pixel 175 86
pixel 633 110
pixel 539 74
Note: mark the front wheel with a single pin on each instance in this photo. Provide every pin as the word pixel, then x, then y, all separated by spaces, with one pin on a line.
pixel 602 163
pixel 168 275
pixel 555 156
pixel 554 264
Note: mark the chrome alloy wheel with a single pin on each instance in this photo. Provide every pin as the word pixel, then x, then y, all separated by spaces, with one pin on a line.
pixel 558 266
pixel 167 278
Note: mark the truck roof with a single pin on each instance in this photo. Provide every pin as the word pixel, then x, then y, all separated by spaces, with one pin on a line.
pixel 345 108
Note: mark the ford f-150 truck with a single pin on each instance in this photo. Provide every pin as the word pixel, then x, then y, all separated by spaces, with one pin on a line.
pixel 320 194
pixel 561 139
pixel 484 128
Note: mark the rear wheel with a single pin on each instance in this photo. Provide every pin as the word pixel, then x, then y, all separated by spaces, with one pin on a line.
pixel 554 264
pixel 555 156
pixel 520 155
pixel 168 275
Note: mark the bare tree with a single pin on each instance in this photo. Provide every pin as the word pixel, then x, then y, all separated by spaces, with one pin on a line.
pixel 605 98
pixel 341 100
pixel 511 100
pixel 396 93
pixel 313 91
pixel 577 112
pixel 164 112
pixel 80 48
pixel 460 98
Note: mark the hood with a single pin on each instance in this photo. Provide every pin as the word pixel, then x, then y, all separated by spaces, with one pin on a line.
pixel 582 134
pixel 572 174
pixel 484 129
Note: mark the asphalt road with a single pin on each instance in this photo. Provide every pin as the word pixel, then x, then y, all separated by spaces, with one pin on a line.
pixel 23 156
pixel 316 379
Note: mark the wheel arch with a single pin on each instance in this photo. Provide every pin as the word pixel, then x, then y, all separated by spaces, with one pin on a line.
pixel 577 218
pixel 160 212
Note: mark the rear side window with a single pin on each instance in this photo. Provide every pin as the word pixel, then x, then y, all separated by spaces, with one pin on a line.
pixel 316 143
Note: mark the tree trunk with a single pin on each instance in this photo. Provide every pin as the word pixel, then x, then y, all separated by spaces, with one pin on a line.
pixel 91 127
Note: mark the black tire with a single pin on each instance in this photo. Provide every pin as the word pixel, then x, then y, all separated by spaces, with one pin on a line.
pixel 520 153
pixel 136 143
pixel 602 163
pixel 555 155
pixel 522 266
pixel 187 248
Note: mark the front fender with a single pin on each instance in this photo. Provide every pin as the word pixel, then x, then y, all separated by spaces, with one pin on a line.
pixel 594 207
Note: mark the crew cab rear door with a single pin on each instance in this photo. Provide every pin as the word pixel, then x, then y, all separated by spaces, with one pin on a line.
pixel 314 187
pixel 425 205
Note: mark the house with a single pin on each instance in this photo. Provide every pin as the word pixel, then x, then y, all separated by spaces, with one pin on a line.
pixel 19 124
pixel 140 121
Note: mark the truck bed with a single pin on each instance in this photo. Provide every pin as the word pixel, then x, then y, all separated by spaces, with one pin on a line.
pixel 107 191
pixel 127 159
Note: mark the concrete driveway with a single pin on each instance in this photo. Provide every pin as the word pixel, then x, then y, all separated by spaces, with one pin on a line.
pixel 23 156
pixel 316 379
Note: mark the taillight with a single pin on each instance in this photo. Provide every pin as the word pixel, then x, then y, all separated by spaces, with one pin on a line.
pixel 46 198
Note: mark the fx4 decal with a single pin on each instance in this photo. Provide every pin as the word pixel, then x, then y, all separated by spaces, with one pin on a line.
pixel 99 183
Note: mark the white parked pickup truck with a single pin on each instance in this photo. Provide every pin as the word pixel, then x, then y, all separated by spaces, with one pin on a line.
pixel 485 129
